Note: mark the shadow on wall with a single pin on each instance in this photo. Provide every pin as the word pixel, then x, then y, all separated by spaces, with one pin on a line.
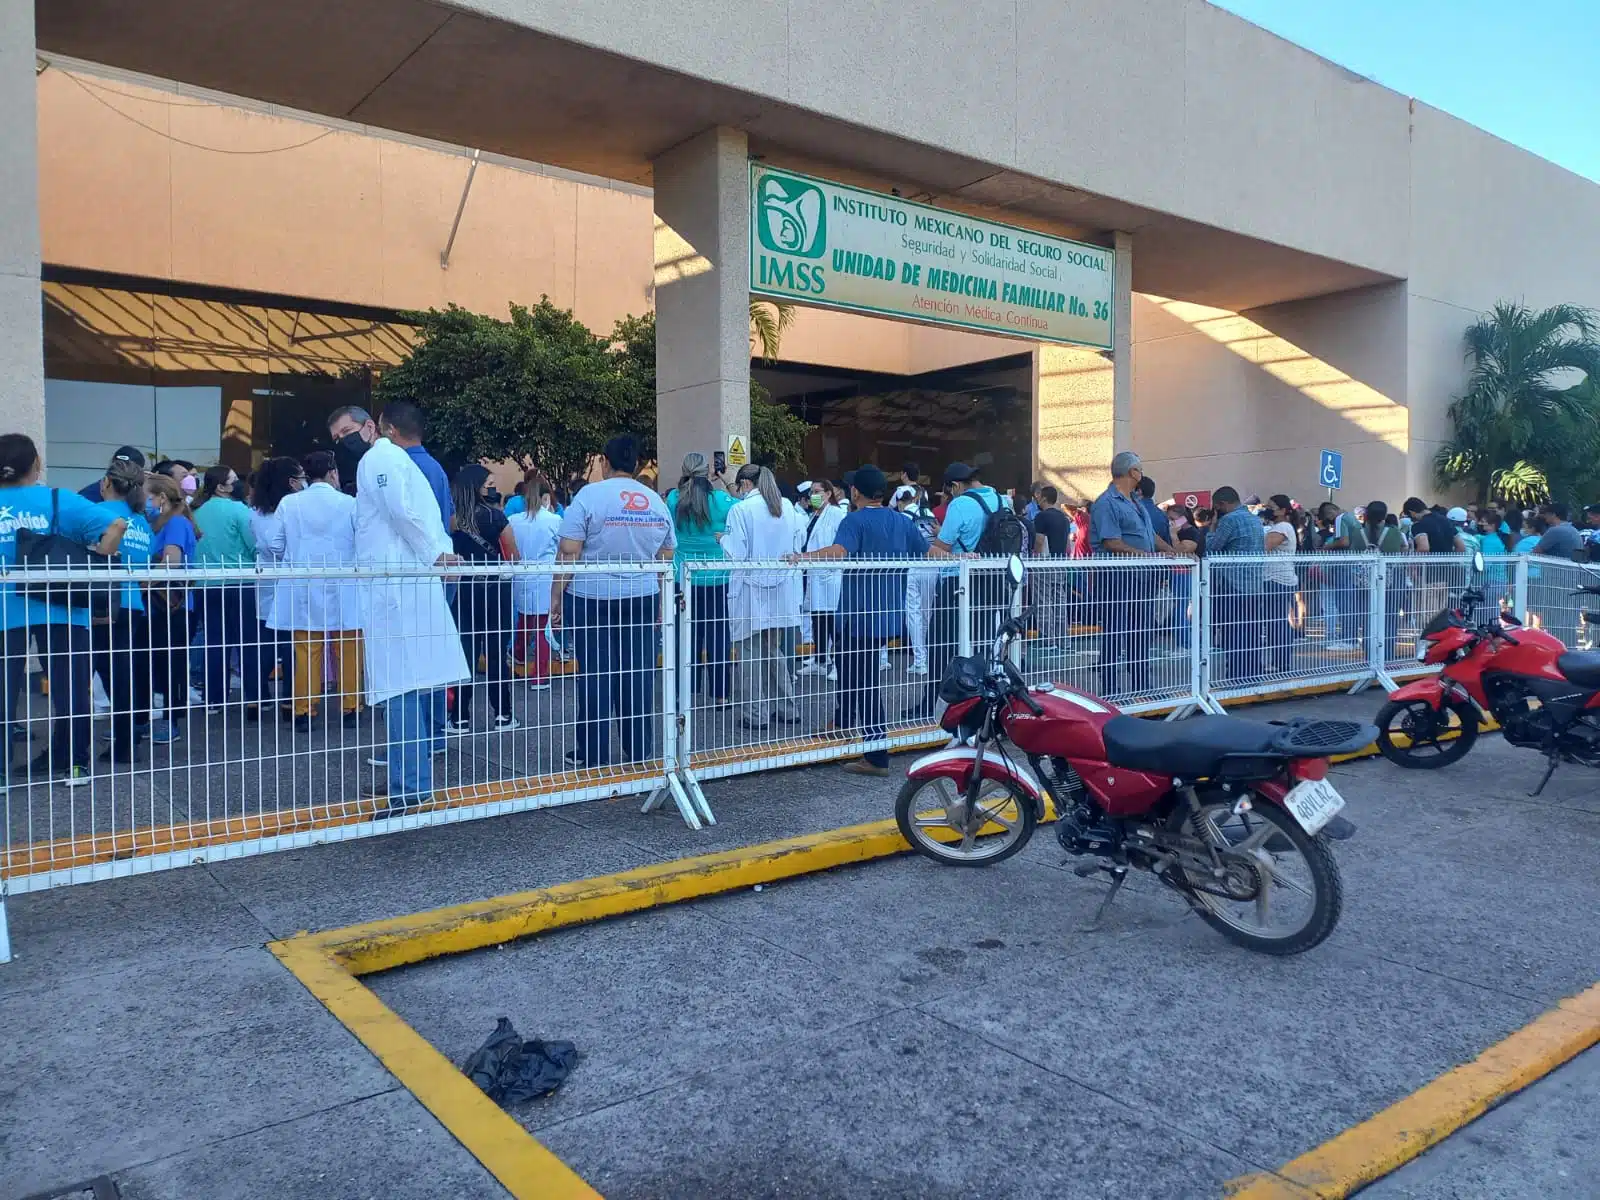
pixel 1251 398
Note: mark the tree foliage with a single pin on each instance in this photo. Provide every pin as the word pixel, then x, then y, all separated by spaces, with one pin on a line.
pixel 539 389
pixel 1528 424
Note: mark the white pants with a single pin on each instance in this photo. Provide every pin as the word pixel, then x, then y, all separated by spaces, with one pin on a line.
pixel 919 613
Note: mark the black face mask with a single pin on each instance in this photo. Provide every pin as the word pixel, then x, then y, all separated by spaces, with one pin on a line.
pixel 347 452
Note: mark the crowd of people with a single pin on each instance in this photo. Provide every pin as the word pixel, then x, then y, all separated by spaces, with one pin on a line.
pixel 388 590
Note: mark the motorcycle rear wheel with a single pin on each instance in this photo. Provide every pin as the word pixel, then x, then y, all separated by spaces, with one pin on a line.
pixel 931 815
pixel 1291 860
pixel 1434 752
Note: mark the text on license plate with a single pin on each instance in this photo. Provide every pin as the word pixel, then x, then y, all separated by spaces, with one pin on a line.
pixel 1313 803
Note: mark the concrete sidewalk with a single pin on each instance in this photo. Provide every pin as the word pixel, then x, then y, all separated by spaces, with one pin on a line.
pixel 893 1029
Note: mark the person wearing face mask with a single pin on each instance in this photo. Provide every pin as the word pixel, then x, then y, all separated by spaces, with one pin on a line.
pixel 352 430
pixel 228 617
pixel 822 587
pixel 763 605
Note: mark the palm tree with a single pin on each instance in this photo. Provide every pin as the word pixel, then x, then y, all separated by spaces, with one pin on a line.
pixel 768 321
pixel 1521 418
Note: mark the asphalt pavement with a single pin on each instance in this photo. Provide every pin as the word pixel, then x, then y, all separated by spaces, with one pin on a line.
pixel 895 1029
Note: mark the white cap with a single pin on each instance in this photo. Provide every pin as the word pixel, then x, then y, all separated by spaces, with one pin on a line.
pixel 1456 515
pixel 904 492
pixel 803 486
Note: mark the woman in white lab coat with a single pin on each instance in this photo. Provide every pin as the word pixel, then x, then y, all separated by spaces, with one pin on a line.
pixel 276 481
pixel 320 609
pixel 412 650
pixel 763 606
pixel 823 587
pixel 538 532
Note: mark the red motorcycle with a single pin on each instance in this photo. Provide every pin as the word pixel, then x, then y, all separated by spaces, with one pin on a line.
pixel 1543 696
pixel 1227 812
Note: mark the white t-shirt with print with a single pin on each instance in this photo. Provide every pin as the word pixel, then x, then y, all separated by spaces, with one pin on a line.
pixel 618 520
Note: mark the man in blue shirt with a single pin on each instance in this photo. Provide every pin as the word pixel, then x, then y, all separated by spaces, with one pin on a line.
pixel 1119 526
pixel 871 605
pixel 965 516
pixel 1236 587
pixel 409 425
pixel 131 454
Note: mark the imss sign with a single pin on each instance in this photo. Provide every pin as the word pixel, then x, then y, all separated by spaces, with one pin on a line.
pixel 841 247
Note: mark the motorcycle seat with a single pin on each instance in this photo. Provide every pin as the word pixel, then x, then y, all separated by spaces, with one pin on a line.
pixel 1191 749
pixel 1582 667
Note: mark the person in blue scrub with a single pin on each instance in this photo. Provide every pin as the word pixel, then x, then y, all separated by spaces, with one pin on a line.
pixel 58 634
pixel 121 639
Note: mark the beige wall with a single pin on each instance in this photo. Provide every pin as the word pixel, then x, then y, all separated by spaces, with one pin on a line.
pixel 302 209
pixel 1249 399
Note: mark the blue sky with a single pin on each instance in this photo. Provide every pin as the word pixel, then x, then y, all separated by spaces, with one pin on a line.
pixel 1527 71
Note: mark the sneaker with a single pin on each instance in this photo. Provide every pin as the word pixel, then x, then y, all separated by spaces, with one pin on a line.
pixel 862 767
pixel 833 673
pixel 505 723
pixel 812 667
pixel 456 729
pixel 375 761
pixel 1338 646
pixel 920 669
pixel 164 733
pixel 196 697
pixel 539 685
pixel 350 719
pixel 235 681
pixel 303 722
pixel 76 777
pixel 883 661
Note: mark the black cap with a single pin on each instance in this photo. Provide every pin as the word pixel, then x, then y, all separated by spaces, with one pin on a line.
pixel 959 472
pixel 130 454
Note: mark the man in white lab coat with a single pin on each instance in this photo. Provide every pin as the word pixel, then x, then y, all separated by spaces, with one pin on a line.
pixel 412 650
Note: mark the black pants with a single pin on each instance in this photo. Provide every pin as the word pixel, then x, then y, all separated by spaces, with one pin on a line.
pixel 490 645
pixel 615 641
pixel 65 651
pixel 1126 621
pixel 1238 621
pixel 860 705
pixel 168 630
pixel 711 639
pixel 121 657
pixel 822 634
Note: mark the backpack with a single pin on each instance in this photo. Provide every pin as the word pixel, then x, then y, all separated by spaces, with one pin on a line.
pixel 923 520
pixel 1003 531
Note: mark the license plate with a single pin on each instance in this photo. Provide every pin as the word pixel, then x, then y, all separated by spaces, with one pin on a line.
pixel 1314 802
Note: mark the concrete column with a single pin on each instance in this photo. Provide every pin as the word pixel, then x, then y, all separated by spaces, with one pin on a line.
pixel 21 336
pixel 1122 345
pixel 702 201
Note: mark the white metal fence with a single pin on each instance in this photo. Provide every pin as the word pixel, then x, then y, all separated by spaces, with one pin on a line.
pixel 188 715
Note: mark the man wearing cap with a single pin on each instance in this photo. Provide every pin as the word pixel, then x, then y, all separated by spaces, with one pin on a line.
pixel 871 605
pixel 1120 526
pixel 971 502
pixel 91 492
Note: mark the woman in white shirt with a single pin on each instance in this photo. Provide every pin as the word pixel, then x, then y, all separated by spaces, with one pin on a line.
pixel 276 481
pixel 822 587
pixel 537 530
pixel 763 606
pixel 1279 585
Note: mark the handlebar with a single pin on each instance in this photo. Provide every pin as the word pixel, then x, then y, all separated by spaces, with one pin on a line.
pixel 1019 687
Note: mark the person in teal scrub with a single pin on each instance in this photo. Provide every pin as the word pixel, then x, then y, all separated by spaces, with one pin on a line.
pixel 121 640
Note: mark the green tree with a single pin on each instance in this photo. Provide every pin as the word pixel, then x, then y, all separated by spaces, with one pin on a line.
pixel 1522 429
pixel 539 389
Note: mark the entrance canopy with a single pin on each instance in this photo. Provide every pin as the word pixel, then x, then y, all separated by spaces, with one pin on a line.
pixel 469 79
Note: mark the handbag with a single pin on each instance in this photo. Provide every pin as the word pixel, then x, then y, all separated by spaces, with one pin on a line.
pixel 54 551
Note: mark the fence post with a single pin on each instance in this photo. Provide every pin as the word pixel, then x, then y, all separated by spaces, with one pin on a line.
pixel 5 931
pixel 1016 611
pixel 964 608
pixel 1519 592
pixel 1202 639
pixel 1378 626
pixel 671 709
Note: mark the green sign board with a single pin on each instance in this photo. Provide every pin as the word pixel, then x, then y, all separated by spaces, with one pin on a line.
pixel 824 243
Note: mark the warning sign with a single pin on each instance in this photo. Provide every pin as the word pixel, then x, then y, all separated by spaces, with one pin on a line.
pixel 737 457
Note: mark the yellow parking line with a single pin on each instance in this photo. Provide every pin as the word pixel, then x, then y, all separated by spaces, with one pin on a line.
pixel 1405 1129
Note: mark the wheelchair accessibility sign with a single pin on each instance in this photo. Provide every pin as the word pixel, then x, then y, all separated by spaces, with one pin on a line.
pixel 1332 470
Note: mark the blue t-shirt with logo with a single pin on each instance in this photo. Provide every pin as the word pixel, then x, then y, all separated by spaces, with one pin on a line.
pixel 138 545
pixel 29 508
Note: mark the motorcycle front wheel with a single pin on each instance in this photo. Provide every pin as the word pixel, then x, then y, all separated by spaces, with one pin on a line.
pixel 933 817
pixel 1287 883
pixel 1415 735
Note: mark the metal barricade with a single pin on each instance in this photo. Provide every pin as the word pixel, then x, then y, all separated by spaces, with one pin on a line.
pixel 1551 604
pixel 202 714
pixel 754 695
pixel 1120 628
pixel 1279 622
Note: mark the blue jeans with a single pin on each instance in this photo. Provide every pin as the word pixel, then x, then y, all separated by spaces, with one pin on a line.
pixel 415 723
pixel 615 642
pixel 229 624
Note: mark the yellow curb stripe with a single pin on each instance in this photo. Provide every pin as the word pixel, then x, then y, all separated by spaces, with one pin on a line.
pixel 519 1161
pixel 1405 1129
pixel 384 945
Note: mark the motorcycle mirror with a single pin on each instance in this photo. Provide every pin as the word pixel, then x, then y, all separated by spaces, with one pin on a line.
pixel 1014 569
pixel 1477 561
